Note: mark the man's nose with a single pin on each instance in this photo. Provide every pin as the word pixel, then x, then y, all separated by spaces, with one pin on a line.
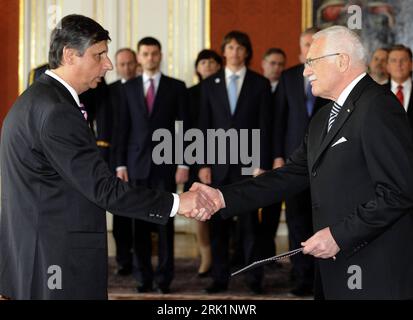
pixel 307 71
pixel 108 64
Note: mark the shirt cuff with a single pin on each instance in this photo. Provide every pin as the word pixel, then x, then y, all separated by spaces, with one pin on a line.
pixel 181 166
pixel 175 206
pixel 120 168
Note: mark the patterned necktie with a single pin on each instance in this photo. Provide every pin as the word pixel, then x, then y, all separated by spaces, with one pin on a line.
pixel 150 96
pixel 233 92
pixel 83 110
pixel 399 94
pixel 333 115
pixel 309 101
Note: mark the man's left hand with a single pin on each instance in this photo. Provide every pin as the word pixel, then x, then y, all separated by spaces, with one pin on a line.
pixel 321 245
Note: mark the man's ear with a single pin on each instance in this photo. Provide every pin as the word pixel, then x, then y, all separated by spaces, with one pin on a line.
pixel 68 56
pixel 343 62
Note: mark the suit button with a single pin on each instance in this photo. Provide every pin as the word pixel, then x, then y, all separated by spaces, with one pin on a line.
pixel 314 173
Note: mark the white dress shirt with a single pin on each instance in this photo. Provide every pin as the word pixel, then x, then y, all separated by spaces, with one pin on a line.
pixel 146 81
pixel 274 86
pixel 347 90
pixel 67 86
pixel 407 91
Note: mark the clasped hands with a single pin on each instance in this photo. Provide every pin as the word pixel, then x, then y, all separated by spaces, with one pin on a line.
pixel 200 202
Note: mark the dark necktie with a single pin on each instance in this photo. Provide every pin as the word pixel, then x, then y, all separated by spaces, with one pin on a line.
pixel 150 96
pixel 399 94
pixel 333 115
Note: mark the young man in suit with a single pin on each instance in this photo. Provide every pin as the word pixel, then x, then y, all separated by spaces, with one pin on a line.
pixel 126 65
pixel 273 64
pixel 235 98
pixel 358 160
pixel 55 185
pixel 399 65
pixel 150 102
pixel 294 107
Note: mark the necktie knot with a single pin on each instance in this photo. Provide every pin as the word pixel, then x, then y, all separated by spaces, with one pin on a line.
pixel 83 110
pixel 400 94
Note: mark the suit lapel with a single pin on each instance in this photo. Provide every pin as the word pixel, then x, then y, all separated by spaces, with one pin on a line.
pixel 139 96
pixel 221 87
pixel 160 94
pixel 243 92
pixel 345 112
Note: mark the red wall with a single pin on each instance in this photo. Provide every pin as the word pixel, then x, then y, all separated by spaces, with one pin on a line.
pixel 9 53
pixel 269 23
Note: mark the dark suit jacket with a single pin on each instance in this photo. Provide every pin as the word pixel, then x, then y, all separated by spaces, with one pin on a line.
pixel 362 189
pixel 55 188
pixel 135 143
pixel 253 111
pixel 410 105
pixel 291 117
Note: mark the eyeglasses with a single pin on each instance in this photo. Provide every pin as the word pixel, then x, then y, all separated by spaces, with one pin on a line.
pixel 310 62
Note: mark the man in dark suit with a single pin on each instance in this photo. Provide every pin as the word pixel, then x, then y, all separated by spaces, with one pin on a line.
pixel 358 160
pixel 150 102
pixel 273 64
pixel 126 64
pixel 399 65
pixel 294 107
pixel 235 98
pixel 55 186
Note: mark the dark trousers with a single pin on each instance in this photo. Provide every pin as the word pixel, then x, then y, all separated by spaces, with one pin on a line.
pixel 123 234
pixel 270 219
pixel 220 239
pixel 164 272
pixel 300 228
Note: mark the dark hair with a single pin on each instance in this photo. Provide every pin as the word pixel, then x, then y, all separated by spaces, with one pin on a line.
pixel 242 39
pixel 401 47
pixel 271 51
pixel 205 55
pixel 149 41
pixel 125 50
pixel 77 32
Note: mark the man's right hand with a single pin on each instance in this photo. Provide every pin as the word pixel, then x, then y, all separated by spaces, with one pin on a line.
pixel 196 205
pixel 278 163
pixel 205 175
pixel 122 174
pixel 213 194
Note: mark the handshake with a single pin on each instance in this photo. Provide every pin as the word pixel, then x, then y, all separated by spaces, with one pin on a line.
pixel 200 202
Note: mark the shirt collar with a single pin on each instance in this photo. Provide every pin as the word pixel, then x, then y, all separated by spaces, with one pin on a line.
pixel 405 84
pixel 240 73
pixel 346 92
pixel 156 77
pixel 65 84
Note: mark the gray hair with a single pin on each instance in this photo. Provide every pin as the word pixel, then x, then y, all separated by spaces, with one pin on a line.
pixel 340 39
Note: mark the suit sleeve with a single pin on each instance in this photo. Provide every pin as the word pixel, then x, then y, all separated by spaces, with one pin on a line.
pixel 280 120
pixel 70 148
pixel 268 188
pixel 387 145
